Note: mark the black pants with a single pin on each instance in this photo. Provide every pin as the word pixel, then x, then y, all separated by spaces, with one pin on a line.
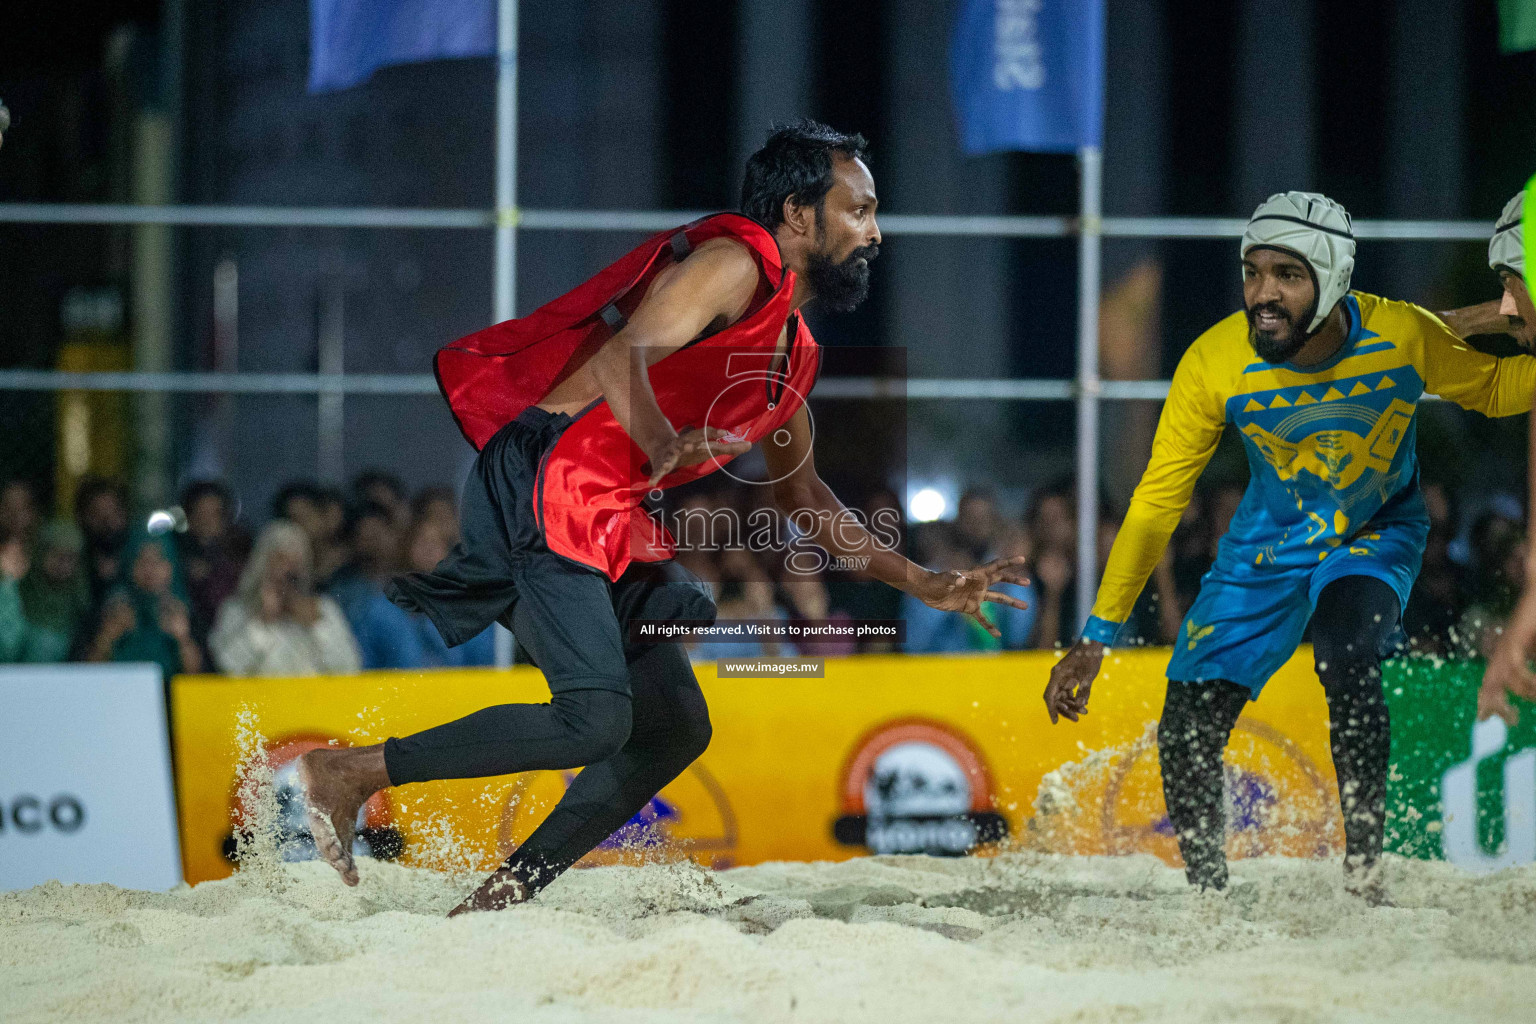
pixel 1354 618
pixel 633 714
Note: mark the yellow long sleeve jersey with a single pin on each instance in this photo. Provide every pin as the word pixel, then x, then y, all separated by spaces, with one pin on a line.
pixel 1331 447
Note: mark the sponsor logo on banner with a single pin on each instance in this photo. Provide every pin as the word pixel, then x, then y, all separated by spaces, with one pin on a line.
pixel 917 786
pixel 691 817
pixel 1458 795
pixel 27 814
pixel 376 833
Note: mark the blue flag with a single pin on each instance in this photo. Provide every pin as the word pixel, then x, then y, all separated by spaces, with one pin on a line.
pixel 351 39
pixel 1029 74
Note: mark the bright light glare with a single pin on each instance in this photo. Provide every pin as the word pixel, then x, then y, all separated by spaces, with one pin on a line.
pixel 926 505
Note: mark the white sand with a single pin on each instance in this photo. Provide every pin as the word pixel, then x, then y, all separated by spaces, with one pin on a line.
pixel 1018 938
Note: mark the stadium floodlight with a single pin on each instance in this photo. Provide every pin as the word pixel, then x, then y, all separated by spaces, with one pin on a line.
pixel 927 505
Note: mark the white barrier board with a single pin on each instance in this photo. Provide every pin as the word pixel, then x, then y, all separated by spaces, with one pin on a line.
pixel 85 777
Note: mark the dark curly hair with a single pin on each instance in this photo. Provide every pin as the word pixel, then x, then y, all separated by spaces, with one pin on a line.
pixel 795 162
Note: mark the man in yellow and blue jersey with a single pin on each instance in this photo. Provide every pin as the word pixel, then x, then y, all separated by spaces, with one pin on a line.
pixel 1322 384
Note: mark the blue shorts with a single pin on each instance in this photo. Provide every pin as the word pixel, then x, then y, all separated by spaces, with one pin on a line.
pixel 1248 620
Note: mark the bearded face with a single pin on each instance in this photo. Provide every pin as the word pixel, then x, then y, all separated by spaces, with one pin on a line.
pixel 845 239
pixel 840 285
pixel 1275 333
pixel 1279 300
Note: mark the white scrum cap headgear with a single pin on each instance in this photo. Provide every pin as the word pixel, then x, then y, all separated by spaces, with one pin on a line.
pixel 1315 228
pixel 1507 246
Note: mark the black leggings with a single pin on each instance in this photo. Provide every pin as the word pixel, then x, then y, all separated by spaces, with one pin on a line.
pixel 1353 620
pixel 632 747
pixel 633 714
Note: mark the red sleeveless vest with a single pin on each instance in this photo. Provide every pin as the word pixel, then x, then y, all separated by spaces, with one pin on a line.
pixel 590 484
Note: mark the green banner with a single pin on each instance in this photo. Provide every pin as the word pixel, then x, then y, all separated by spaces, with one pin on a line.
pixel 1459 789
pixel 1517 25
pixel 1527 238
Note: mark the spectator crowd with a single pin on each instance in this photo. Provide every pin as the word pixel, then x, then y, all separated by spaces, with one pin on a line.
pixel 192 590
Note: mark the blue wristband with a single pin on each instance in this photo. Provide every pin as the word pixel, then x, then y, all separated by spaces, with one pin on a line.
pixel 1101 630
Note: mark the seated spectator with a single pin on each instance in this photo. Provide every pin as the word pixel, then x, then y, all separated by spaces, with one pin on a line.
pixel 14 563
pixel 742 590
pixel 101 512
pixel 1052 525
pixel 1439 595
pixel 385 633
pixel 441 506
pixel 276 625
pixel 1052 516
pixel 370 538
pixel 804 595
pixel 145 617
pixel 1498 549
pixel 321 513
pixel 426 544
pixel 18 509
pixel 977 524
pixel 54 594
pixel 931 631
pixel 378 487
pixel 213 552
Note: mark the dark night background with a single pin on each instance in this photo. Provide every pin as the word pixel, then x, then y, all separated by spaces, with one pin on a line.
pixel 1398 110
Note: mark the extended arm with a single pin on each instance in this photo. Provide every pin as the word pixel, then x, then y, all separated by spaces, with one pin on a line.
pixel 803 497
pixel 1483 318
pixel 1473 380
pixel 1187 434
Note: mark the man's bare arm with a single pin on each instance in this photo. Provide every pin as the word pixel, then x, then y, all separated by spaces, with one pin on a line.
pixel 717 282
pixel 1483 318
pixel 802 495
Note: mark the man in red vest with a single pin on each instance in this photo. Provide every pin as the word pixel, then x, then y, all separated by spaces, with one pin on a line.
pixel 633 381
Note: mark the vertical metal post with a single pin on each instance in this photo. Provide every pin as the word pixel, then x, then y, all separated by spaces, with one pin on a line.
pixel 506 202
pixel 331 408
pixel 1090 227
pixel 226 359
pixel 506 160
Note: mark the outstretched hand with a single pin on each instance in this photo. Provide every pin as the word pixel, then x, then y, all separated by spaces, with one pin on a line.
pixel 964 590
pixel 691 447
pixel 1066 695
pixel 1508 672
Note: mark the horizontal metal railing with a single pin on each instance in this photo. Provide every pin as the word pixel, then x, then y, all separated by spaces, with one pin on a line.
pixel 626 220
pixel 660 220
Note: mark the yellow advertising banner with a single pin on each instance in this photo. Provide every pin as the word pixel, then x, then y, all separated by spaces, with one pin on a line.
pixel 885 754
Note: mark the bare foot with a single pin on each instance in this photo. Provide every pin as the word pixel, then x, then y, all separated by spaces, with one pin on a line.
pixel 497 892
pixel 336 784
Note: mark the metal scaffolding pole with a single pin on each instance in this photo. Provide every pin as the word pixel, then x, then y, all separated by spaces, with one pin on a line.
pixel 506 203
pixel 1090 161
